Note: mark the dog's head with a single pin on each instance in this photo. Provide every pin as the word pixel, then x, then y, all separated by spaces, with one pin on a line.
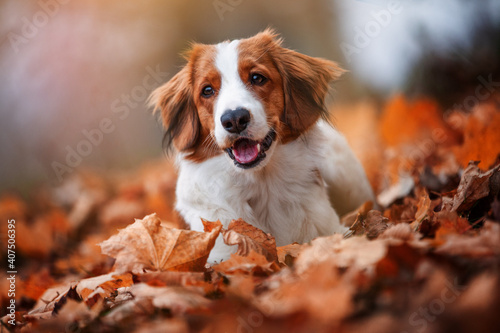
pixel 241 98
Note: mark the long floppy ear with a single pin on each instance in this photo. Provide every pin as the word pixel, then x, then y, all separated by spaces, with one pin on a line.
pixel 305 84
pixel 178 111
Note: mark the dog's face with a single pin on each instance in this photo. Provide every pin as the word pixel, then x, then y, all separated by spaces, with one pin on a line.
pixel 242 98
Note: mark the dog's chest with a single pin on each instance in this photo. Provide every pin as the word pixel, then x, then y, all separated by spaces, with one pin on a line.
pixel 284 197
pixel 287 198
pixel 281 203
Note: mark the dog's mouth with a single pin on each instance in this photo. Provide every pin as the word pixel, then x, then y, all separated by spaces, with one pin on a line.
pixel 248 153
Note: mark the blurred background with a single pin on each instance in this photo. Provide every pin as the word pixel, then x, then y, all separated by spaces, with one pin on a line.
pixel 75 75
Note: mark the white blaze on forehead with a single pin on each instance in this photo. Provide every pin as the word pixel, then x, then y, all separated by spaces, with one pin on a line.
pixel 226 62
pixel 232 89
pixel 234 93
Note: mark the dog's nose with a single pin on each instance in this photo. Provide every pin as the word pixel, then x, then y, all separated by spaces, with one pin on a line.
pixel 235 121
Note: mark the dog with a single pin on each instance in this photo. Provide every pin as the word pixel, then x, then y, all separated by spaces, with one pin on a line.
pixel 248 121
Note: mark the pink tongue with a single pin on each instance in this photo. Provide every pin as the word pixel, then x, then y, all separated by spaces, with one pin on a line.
pixel 245 151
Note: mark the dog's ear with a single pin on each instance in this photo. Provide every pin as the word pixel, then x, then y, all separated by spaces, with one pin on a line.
pixel 306 81
pixel 178 111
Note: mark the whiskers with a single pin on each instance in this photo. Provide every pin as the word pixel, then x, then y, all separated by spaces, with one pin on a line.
pixel 210 146
pixel 278 135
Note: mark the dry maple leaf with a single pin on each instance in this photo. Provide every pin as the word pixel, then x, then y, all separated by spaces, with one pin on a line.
pixel 147 245
pixel 249 238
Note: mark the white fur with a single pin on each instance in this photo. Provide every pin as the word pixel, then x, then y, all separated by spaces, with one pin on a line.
pixel 234 94
pixel 286 198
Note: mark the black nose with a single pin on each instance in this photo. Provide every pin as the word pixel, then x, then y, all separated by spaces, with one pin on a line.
pixel 235 121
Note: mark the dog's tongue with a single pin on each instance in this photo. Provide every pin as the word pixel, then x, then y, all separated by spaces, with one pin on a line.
pixel 245 151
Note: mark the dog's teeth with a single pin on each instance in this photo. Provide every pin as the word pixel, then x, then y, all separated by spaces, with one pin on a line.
pixel 258 147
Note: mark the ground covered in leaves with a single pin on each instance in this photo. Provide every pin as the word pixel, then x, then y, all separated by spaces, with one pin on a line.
pixel 105 253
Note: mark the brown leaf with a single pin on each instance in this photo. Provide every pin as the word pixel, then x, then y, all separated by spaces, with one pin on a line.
pixel 449 224
pixel 321 292
pixel 99 287
pixel 474 185
pixel 372 224
pixel 249 238
pixel 288 253
pixel 485 244
pixel 349 218
pixel 46 304
pixel 177 300
pixel 357 252
pixel 254 263
pixel 146 245
pixel 423 210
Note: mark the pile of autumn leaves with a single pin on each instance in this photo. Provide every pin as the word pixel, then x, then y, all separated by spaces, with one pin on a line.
pixel 427 262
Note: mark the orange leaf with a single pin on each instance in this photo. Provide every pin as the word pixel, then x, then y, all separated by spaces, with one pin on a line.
pixel 481 137
pixel 249 238
pixel 92 289
pixel 404 122
pixel 288 253
pixel 254 263
pixel 147 245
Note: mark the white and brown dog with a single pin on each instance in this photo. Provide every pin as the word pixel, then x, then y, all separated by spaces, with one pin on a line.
pixel 247 119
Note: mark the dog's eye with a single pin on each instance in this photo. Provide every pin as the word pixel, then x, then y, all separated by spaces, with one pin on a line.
pixel 207 91
pixel 257 79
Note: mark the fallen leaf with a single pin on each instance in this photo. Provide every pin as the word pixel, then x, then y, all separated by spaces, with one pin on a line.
pixel 418 118
pixel 99 287
pixel 348 219
pixel 288 253
pixel 357 252
pixel 423 210
pixel 177 300
pixel 146 245
pixel 249 238
pixel 481 136
pixel 474 185
pixel 372 224
pixel 398 190
pixel 253 263
pixel 485 244
pixel 449 224
pixel 328 297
